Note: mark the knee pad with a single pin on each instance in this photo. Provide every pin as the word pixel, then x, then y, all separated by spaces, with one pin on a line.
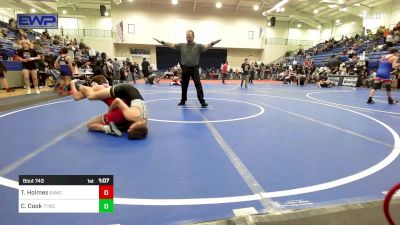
pixel 388 87
pixel 377 85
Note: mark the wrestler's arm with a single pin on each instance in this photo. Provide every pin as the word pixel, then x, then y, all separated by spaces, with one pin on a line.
pixel 85 91
pixel 129 113
pixel 76 95
pixel 395 64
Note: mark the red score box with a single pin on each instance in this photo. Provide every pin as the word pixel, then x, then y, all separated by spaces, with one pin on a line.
pixel 106 192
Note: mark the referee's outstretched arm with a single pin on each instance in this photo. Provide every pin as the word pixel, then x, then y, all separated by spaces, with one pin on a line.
pixel 166 44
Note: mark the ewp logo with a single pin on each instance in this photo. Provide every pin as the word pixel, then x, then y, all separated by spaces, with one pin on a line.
pixel 37 21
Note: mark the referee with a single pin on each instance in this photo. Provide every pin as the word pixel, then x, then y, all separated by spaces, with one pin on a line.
pixel 190 57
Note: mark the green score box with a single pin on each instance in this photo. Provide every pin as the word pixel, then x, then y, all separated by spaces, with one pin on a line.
pixel 106 205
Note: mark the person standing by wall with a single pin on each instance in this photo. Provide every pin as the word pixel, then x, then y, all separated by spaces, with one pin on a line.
pixel 117 68
pixel 245 75
pixel 145 68
pixel 28 57
pixel 252 72
pixel 224 71
pixel 3 79
pixel 107 68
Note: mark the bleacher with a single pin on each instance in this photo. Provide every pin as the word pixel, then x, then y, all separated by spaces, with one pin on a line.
pixel 374 58
pixel 320 60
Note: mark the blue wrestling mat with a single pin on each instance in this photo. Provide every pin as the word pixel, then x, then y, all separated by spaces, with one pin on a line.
pixel 270 147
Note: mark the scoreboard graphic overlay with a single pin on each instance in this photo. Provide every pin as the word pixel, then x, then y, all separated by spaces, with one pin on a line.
pixel 66 194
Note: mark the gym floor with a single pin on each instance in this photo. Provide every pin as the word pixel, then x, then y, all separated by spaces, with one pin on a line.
pixel 273 147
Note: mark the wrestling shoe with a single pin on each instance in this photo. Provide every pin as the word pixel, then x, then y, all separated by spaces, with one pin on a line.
pixel 391 101
pixel 370 101
pixel 114 130
pixel 204 104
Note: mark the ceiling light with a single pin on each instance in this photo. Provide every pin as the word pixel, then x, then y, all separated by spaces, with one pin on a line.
pixel 298 25
pixel 269 24
pixel 332 6
pixel 336 2
pixel 277 6
pixel 264 13
pixel 64 12
pixel 174 2
pixel 364 14
pixel 337 21
pixel 343 9
pixel 256 7
pixel 319 26
pixel 357 4
pixel 130 0
pixel 218 5
pixel 316 11
pixel 33 10
pixel 106 13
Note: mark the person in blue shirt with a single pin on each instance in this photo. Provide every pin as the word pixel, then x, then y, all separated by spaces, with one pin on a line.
pixel 64 64
pixel 388 63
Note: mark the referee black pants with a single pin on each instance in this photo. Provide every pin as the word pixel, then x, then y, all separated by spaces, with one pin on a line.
pixel 187 73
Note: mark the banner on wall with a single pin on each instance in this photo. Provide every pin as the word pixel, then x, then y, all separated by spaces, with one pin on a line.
pixel 37 21
pixel 336 80
pixel 144 53
pixel 350 81
pixel 120 31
